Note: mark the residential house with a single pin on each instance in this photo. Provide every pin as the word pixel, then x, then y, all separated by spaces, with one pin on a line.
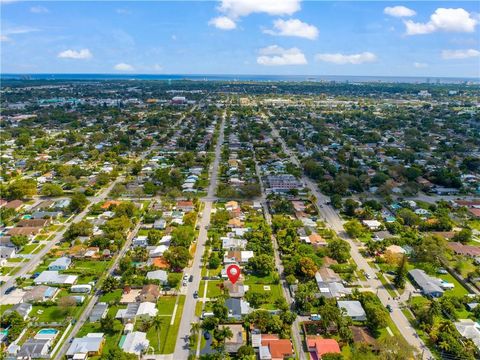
pixel 40 293
pixel 149 293
pixel 274 348
pixel 430 286
pixel 469 329
pixel 62 263
pixel 353 309
pixel 99 312
pixel 237 308
pixel 318 347
pixel 14 204
pixel 238 339
pixel 34 349
pixel 372 224
pixel 464 250
pixel 89 345
pixel 159 275
pixel 33 222
pixel 135 342
pixel 185 206
pixel 239 257
pixel 23 309
pixel 50 277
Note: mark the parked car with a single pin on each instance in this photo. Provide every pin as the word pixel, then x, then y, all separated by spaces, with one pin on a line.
pixel 195 294
pixel 9 290
pixel 389 308
pixel 206 335
pixel 190 279
pixel 315 317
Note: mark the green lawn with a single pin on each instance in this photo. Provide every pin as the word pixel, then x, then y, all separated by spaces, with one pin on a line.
pixel 111 297
pixel 168 333
pixel 213 289
pixel 201 288
pixel 28 249
pixel 274 293
pixel 458 290
pixel 166 304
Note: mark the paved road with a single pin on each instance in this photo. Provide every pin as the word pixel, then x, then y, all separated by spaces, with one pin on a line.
pixel 35 260
pixel 332 218
pixel 188 316
pixel 296 337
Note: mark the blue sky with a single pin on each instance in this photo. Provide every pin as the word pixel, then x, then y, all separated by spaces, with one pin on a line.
pixel 431 38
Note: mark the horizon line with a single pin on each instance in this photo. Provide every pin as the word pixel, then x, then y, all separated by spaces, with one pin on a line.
pixel 232 74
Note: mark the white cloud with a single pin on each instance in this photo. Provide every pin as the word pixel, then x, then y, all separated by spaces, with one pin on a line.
pixel 293 27
pixel 223 23
pixel 19 30
pixel 420 65
pixel 399 11
pixel 39 9
pixel 123 67
pixel 338 58
pixel 448 20
pixel 82 54
pixel 460 54
pixel 238 8
pixel 157 67
pixel 275 55
pixel 4 38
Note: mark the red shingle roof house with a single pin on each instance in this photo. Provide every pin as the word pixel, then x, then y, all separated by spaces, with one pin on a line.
pixel 275 348
pixel 317 346
pixel 185 206
pixel 466 250
pixel 14 204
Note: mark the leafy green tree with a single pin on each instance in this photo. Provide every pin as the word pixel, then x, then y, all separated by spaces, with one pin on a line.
pixel 107 324
pixel 339 250
pixel 174 279
pixel 15 324
pixel 408 217
pixel 214 261
pixel 350 206
pixel 245 352
pixel 262 264
pixel 183 236
pixel 19 240
pixel 354 228
pixel 22 188
pixel 78 202
pixel 110 284
pixel 463 236
pixel 52 190
pixel 307 267
pixel 81 228
pixel 154 236
pixel 177 256
pixel 401 274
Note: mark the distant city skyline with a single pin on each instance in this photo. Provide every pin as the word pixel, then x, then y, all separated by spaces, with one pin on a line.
pixel 268 37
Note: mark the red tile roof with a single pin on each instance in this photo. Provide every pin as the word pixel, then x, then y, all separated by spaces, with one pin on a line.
pixel 322 346
pixel 279 348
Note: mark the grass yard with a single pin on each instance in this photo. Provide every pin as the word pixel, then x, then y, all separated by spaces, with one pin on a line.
pixel 458 290
pixel 213 289
pixel 28 249
pixel 111 297
pixel 168 333
pixel 201 288
pixel 53 313
pixel 166 304
pixel 274 293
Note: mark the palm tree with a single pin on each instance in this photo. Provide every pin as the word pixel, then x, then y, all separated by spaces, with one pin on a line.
pixel 157 324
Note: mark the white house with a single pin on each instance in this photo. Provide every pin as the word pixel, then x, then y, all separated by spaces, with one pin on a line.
pixel 135 342
pixel 353 309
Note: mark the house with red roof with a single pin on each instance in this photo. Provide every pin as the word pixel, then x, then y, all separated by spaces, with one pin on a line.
pixel 274 348
pixel 318 346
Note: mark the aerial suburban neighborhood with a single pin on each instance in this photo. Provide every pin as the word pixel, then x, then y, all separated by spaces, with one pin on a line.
pixel 125 203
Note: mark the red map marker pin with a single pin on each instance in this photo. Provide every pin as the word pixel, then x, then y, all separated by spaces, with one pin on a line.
pixel 233 273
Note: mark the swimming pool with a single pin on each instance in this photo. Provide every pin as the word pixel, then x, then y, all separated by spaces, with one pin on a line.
pixel 46 333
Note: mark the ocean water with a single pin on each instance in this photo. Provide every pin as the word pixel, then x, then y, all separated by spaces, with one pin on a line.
pixel 241 78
